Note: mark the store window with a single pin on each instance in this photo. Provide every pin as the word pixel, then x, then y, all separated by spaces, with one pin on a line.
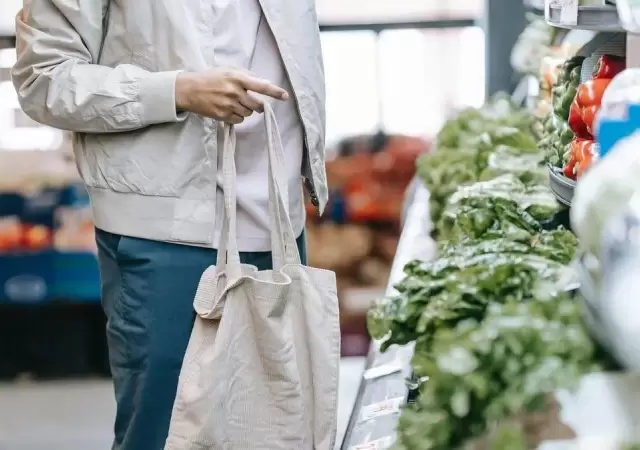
pixel 403 81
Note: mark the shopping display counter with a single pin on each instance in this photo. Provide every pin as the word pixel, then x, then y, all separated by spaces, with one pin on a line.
pixel 459 404
pixel 386 384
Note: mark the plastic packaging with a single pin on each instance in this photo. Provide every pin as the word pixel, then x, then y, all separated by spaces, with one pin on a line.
pixel 618 303
pixel 623 91
pixel 605 191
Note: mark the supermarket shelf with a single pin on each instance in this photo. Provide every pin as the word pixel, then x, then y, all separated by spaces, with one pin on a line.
pixel 401 25
pixel 384 383
pixel 561 186
pixel 596 18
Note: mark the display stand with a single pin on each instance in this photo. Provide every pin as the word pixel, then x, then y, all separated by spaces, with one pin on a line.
pixel 605 21
pixel 385 384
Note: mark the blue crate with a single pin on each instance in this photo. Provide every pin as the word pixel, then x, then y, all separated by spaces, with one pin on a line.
pixel 75 195
pixel 11 205
pixel 26 278
pixel 76 277
pixel 40 208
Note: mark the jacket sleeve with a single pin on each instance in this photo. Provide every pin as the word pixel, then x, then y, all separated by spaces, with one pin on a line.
pixel 60 84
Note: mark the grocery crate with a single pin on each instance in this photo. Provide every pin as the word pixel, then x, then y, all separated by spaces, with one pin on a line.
pixel 26 278
pixel 11 205
pixel 40 208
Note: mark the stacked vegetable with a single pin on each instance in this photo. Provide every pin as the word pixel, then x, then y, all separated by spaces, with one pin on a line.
pixel 582 150
pixel 495 331
pixel 569 131
pixel 557 133
pixel 479 144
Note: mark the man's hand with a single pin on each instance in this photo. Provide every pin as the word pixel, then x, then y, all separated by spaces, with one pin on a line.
pixel 223 94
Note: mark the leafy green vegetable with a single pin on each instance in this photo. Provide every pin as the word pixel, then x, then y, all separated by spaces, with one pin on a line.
pixel 556 245
pixel 442 172
pixel 537 200
pixel 482 372
pixel 486 218
pixel 529 167
pixel 477 140
pixel 495 332
pixel 459 286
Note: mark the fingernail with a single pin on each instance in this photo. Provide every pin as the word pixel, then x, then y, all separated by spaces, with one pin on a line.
pixel 285 96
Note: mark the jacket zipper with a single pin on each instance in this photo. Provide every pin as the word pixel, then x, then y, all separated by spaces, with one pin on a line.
pixel 308 183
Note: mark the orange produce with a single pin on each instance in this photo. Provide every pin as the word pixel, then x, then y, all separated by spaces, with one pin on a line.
pixel 36 237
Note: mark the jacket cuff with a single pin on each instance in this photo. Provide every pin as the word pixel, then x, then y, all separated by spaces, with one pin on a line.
pixel 158 99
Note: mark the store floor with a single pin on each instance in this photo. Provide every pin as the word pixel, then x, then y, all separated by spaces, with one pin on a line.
pixel 77 415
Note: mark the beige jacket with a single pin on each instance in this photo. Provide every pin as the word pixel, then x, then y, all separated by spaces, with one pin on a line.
pixel 106 70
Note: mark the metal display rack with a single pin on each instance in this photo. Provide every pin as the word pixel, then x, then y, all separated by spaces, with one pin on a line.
pixel 384 384
pixel 605 21
pixel 596 18
pixel 561 186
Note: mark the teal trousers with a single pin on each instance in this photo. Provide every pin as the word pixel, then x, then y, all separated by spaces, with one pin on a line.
pixel 147 295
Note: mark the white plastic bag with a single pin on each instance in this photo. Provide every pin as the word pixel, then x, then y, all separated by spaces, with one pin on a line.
pixel 605 191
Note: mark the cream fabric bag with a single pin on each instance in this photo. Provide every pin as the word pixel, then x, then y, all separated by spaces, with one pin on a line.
pixel 261 368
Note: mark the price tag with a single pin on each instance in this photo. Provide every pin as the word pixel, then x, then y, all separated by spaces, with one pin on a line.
pixel 569 12
pixel 385 408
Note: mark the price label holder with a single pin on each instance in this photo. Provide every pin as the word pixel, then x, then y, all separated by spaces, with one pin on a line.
pixel 629 13
pixel 383 370
pixel 568 11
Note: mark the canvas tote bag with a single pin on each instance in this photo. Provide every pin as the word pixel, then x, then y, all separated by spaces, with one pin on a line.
pixel 261 368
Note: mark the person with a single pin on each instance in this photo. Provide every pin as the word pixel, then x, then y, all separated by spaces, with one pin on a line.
pixel 145 86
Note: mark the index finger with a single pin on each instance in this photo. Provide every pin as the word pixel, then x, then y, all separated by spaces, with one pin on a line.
pixel 263 87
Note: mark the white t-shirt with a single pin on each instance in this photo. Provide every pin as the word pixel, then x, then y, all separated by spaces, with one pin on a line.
pixel 243 39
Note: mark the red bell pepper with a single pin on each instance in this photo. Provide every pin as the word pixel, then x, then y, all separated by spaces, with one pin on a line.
pixel 608 66
pixel 585 106
pixel 569 170
pixel 581 156
pixel 590 92
pixel 586 156
pixel 576 122
pixel 589 117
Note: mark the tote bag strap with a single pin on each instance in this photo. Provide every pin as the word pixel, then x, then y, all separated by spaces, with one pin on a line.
pixel 283 240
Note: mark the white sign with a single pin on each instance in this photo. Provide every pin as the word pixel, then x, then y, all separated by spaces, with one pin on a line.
pixel 569 12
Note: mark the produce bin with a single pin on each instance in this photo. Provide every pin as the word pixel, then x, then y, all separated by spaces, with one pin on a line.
pixel 27 278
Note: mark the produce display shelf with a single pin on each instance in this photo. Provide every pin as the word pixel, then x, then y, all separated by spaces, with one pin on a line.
pixel 384 386
pixel 596 18
pixel 561 186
